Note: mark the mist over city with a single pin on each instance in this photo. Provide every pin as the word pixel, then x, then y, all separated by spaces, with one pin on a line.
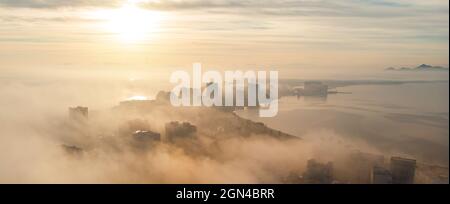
pixel 362 92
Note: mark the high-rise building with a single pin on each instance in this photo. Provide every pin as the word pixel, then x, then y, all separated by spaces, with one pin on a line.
pixel 176 130
pixel 403 170
pixel 380 175
pixel 143 139
pixel 146 136
pixel 315 88
pixel 78 113
pixel 318 173
pixel 361 166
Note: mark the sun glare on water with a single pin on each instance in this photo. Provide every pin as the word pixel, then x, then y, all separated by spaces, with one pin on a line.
pixel 137 98
pixel 130 23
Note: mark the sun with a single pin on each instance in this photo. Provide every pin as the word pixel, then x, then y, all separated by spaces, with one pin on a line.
pixel 130 23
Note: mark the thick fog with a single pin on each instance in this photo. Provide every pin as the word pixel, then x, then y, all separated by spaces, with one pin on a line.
pixel 34 126
pixel 35 132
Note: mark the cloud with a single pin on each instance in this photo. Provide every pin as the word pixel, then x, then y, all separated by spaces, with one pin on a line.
pixel 58 3
pixel 406 29
pixel 322 8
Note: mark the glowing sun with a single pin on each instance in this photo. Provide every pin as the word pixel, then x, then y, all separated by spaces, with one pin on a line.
pixel 130 23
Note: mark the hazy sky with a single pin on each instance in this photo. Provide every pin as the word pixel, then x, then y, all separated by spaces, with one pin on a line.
pixel 285 34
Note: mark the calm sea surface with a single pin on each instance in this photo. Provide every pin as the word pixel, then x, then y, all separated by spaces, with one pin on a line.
pixel 408 119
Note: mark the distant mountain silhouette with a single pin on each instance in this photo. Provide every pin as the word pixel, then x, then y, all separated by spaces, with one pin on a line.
pixel 422 67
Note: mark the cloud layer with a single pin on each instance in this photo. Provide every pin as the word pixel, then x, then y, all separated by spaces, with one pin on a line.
pixel 287 33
